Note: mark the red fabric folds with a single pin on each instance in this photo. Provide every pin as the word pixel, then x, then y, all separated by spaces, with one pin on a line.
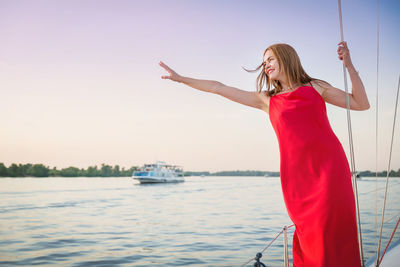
pixel 316 181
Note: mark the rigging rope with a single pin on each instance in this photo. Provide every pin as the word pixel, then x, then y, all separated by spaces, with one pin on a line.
pixel 352 161
pixel 390 240
pixel 376 132
pixel 387 174
pixel 382 188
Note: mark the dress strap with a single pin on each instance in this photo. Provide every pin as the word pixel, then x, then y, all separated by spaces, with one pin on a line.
pixel 311 84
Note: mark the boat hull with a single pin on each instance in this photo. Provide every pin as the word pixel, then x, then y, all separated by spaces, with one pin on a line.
pixel 153 180
pixel 158 172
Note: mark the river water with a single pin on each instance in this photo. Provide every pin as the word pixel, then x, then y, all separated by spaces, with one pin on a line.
pixel 205 221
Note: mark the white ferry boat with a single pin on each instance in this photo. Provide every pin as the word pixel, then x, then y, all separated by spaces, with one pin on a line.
pixel 159 172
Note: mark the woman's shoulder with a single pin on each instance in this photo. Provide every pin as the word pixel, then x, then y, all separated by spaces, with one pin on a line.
pixel 320 85
pixel 263 94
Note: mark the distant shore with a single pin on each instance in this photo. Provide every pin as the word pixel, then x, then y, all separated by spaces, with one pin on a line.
pixel 40 170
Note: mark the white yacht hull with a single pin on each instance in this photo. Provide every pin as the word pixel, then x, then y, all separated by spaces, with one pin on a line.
pixel 158 172
pixel 151 180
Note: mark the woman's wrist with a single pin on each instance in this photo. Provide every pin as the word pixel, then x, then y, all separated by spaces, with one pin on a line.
pixel 354 71
pixel 180 79
pixel 351 69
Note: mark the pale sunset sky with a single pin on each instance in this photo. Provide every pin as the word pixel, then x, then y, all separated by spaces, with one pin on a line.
pixel 80 83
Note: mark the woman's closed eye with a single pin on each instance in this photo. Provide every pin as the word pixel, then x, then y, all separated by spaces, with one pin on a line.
pixel 265 62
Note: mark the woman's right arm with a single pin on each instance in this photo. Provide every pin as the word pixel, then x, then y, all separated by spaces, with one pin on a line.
pixel 252 99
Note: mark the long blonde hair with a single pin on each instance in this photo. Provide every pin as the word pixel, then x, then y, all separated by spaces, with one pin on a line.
pixel 290 66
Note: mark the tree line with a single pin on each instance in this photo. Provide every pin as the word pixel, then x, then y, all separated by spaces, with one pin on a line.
pixel 40 170
pixel 235 173
pixel 392 173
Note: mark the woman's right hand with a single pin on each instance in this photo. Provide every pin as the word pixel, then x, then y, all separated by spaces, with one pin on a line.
pixel 172 74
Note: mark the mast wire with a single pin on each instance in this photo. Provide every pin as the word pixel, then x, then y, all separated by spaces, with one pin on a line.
pixel 387 174
pixel 352 161
pixel 376 131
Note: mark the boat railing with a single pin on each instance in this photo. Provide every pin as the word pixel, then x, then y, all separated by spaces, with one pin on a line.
pixel 258 256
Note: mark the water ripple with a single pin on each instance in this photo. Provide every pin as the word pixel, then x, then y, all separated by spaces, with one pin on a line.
pixel 211 221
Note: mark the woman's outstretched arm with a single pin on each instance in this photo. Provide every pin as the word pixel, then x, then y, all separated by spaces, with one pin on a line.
pixel 252 99
pixel 358 98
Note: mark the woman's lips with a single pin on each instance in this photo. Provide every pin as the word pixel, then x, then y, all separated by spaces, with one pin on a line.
pixel 269 71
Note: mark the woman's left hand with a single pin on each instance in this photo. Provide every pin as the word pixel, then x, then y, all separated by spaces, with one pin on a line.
pixel 344 54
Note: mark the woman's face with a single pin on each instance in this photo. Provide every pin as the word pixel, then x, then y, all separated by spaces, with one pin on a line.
pixel 271 65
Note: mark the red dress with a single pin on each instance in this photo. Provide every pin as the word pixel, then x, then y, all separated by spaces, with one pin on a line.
pixel 316 181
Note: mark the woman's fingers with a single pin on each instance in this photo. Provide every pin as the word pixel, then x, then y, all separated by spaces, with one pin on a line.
pixel 342 49
pixel 342 44
pixel 165 67
pixel 344 53
pixel 172 74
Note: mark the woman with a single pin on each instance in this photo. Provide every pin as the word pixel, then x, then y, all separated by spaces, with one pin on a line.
pixel 315 174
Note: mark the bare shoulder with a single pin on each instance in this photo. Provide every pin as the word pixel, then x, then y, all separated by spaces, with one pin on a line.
pixel 321 86
pixel 263 95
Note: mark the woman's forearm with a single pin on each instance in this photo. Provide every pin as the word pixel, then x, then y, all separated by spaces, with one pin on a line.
pixel 202 85
pixel 358 90
pixel 252 99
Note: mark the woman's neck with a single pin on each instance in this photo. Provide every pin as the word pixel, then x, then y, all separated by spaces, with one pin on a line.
pixel 286 87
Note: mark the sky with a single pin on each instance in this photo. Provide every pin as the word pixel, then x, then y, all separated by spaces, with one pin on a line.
pixel 80 83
